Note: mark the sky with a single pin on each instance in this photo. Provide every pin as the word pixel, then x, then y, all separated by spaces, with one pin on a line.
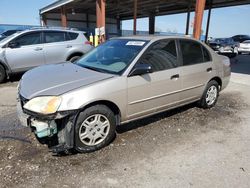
pixel 225 22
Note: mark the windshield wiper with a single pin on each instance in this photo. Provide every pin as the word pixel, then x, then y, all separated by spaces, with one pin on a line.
pixel 94 69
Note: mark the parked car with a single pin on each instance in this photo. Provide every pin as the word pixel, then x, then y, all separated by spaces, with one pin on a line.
pixel 244 47
pixel 241 38
pixel 31 48
pixel 79 105
pixel 8 33
pixel 224 46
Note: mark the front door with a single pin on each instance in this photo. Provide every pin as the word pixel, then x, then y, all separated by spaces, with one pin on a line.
pixel 159 90
pixel 27 52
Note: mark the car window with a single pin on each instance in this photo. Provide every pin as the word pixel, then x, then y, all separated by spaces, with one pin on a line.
pixel 54 36
pixel 206 54
pixel 72 36
pixel 161 55
pixel 29 39
pixel 191 52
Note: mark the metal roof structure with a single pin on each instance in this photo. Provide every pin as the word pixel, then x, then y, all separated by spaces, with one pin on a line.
pixel 123 9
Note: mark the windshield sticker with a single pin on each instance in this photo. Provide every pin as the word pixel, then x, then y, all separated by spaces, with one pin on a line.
pixel 135 43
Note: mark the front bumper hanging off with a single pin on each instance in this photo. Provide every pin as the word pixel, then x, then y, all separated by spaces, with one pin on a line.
pixel 56 131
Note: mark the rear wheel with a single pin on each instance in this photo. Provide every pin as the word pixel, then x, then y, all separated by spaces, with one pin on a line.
pixel 95 129
pixel 74 59
pixel 2 74
pixel 210 95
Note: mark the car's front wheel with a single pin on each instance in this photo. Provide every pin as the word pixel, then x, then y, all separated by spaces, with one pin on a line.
pixel 95 128
pixel 210 95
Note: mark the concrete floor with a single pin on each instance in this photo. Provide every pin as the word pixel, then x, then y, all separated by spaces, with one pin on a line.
pixel 186 147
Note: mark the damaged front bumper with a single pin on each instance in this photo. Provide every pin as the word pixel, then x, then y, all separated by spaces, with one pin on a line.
pixel 56 131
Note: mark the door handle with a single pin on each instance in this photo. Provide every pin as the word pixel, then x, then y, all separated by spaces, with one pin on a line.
pixel 175 77
pixel 68 46
pixel 209 69
pixel 38 49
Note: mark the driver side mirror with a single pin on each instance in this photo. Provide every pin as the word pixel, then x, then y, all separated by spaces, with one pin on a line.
pixel 140 69
pixel 13 44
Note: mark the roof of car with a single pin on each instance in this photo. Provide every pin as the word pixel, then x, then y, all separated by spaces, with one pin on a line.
pixel 155 37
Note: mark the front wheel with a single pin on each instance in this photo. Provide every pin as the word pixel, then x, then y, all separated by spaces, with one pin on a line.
pixel 95 129
pixel 210 95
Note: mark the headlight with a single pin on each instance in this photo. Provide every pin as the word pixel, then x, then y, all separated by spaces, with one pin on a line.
pixel 43 105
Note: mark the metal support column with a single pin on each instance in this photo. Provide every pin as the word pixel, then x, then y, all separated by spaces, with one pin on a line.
pixel 101 16
pixel 63 17
pixel 199 11
pixel 151 24
pixel 135 16
pixel 188 18
pixel 208 19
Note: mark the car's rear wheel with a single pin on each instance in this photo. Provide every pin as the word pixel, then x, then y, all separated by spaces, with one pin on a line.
pixel 95 128
pixel 210 95
pixel 2 74
pixel 74 59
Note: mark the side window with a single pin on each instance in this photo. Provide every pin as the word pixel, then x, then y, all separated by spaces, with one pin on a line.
pixel 71 36
pixel 54 36
pixel 206 54
pixel 28 39
pixel 191 52
pixel 161 56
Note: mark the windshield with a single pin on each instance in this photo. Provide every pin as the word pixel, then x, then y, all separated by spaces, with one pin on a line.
pixel 113 56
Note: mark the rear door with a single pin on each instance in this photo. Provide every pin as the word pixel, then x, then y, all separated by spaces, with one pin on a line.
pixel 28 52
pixel 159 90
pixel 197 69
pixel 55 46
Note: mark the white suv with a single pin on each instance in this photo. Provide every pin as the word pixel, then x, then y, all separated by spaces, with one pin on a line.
pixel 38 46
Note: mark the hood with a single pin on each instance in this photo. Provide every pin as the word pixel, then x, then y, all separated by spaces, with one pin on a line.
pixel 57 79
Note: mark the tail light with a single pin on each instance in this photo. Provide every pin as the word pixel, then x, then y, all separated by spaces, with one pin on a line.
pixel 88 42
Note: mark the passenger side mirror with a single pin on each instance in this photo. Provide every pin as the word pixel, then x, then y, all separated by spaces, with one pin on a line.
pixel 13 44
pixel 140 69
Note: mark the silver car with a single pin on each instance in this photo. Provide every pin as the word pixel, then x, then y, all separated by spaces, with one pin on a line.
pixel 38 46
pixel 79 105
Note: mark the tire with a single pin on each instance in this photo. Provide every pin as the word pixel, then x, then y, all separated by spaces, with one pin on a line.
pixel 206 102
pixel 2 74
pixel 239 53
pixel 93 136
pixel 74 59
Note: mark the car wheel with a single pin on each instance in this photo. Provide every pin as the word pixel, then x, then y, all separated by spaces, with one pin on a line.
pixel 210 95
pixel 239 53
pixel 95 129
pixel 2 74
pixel 74 59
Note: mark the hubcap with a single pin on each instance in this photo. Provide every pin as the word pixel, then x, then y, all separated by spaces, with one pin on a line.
pixel 211 95
pixel 94 130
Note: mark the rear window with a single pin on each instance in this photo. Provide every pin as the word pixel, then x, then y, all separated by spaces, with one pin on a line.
pixel 191 52
pixel 54 36
pixel 72 36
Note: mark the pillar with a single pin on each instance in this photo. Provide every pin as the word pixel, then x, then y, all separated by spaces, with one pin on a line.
pixel 63 17
pixel 151 24
pixel 208 19
pixel 101 15
pixel 188 18
pixel 199 11
pixel 135 17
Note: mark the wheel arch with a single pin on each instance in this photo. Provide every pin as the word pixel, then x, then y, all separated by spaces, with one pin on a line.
pixel 111 105
pixel 7 69
pixel 218 80
pixel 74 54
